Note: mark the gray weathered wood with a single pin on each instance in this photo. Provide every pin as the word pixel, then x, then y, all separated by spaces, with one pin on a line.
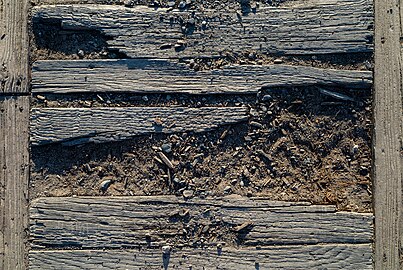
pixel 280 257
pixel 14 48
pixel 316 27
pixel 129 222
pixel 14 173
pixel 388 135
pixel 54 2
pixel 167 76
pixel 82 125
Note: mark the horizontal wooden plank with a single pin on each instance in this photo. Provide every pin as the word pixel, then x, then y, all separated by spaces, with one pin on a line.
pixel 316 27
pixel 280 257
pixel 131 222
pixel 83 125
pixel 54 2
pixel 165 76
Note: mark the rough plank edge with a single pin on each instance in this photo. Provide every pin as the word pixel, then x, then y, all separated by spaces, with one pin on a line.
pixel 279 257
pixel 104 124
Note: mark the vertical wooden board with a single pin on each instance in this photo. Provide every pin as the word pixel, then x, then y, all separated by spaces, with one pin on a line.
pixel 14 46
pixel 14 173
pixel 388 134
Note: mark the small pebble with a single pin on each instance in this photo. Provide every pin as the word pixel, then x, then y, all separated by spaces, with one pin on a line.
pixel 166 148
pixel 256 124
pixel 166 250
pixel 145 98
pixel 278 61
pixel 354 149
pixel 227 189
pixel 80 53
pixel 188 194
pixel 40 97
pixel 88 168
pixel 266 98
pixel 105 185
pixel 182 5
pixel 177 180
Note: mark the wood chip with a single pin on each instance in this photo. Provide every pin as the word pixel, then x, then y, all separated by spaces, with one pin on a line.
pixel 166 160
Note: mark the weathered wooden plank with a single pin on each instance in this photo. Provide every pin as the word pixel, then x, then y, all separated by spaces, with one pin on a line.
pixel 14 46
pixel 280 257
pixel 166 76
pixel 131 222
pixel 14 172
pixel 388 135
pixel 54 2
pixel 317 27
pixel 82 125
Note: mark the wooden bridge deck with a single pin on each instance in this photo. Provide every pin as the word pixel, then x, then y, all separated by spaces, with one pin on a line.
pixel 151 232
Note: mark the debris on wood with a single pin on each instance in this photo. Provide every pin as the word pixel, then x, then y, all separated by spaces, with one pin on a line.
pixel 335 95
pixel 105 185
pixel 243 226
pixel 166 160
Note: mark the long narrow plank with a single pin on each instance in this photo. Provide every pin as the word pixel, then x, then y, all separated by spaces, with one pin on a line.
pixel 129 222
pixel 82 125
pixel 165 76
pixel 14 172
pixel 14 46
pixel 316 27
pixel 280 257
pixel 388 135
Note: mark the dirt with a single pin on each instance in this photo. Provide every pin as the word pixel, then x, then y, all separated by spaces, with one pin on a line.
pixel 298 145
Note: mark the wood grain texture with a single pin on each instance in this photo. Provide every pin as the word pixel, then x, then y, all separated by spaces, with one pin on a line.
pixel 14 173
pixel 54 2
pixel 80 125
pixel 279 257
pixel 14 46
pixel 316 27
pixel 167 76
pixel 388 135
pixel 134 222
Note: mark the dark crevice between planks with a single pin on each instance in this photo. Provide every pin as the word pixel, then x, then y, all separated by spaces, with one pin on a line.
pixel 342 61
pixel 313 100
pixel 50 41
